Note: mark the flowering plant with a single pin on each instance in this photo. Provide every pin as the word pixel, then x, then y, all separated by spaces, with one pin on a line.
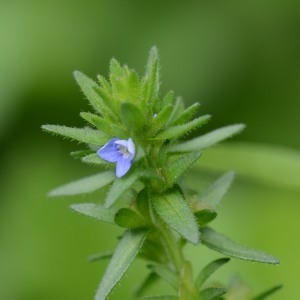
pixel 136 137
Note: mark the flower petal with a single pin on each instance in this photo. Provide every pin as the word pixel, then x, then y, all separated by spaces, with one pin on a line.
pixel 110 151
pixel 131 147
pixel 123 166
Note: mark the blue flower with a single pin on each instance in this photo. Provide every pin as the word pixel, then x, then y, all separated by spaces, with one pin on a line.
pixel 120 151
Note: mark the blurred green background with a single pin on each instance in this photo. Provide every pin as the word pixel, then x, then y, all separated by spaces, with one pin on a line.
pixel 240 59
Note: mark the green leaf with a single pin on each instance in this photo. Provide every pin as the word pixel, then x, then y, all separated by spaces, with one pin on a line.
pixel 205 216
pixel 187 114
pixel 214 194
pixel 83 135
pixel 175 212
pixel 84 185
pixel 208 139
pixel 146 284
pixel 161 119
pixel 81 153
pixel 178 109
pixel 88 86
pixel 179 130
pixel 223 244
pixel 168 99
pixel 212 293
pixel 152 74
pixel 97 211
pixel 119 186
pixel 127 249
pixel 142 203
pixel 100 256
pixel 187 288
pixel 209 269
pixel 95 159
pixel 167 297
pixel 132 116
pixel 176 165
pixel 127 218
pixel 267 293
pixel 165 273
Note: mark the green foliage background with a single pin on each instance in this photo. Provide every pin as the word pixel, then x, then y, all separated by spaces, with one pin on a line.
pixel 240 59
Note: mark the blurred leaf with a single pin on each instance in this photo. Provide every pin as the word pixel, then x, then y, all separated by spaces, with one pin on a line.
pixel 81 153
pixel 175 212
pixel 119 186
pixel 204 216
pixel 178 109
pixel 84 135
pixel 187 114
pixel 179 130
pixel 166 274
pixel 177 164
pixel 97 211
pixel 132 116
pixel 209 269
pixel 208 139
pixel 100 256
pixel 168 99
pixel 85 185
pixel 264 164
pixel 88 86
pixel 222 244
pixel 142 203
pixel 267 293
pixel 146 284
pixel 127 218
pixel 214 194
pixel 187 288
pixel 127 249
pixel 212 293
pixel 169 297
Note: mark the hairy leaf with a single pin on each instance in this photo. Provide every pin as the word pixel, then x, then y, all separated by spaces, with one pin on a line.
pixel 208 139
pixel 84 185
pixel 132 116
pixel 188 114
pixel 127 218
pixel 127 249
pixel 212 293
pixel 267 293
pixel 205 216
pixel 223 244
pixel 175 212
pixel 165 273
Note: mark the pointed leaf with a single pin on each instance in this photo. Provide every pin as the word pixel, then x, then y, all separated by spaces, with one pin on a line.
pixel 84 185
pixel 127 218
pixel 127 249
pixel 178 109
pixel 222 244
pixel 267 293
pixel 167 297
pixel 176 165
pixel 132 116
pixel 97 211
pixel 88 86
pixel 165 273
pixel 168 99
pixel 208 139
pixel 161 119
pixel 214 194
pixel 209 269
pixel 95 159
pixel 83 135
pixel 119 186
pixel 212 293
pixel 100 256
pixel 179 130
pixel 146 284
pixel 187 114
pixel 175 212
pixel 205 216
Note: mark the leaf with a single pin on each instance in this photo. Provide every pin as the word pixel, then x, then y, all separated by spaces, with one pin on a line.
pixel 83 135
pixel 179 130
pixel 208 139
pixel 127 249
pixel 176 165
pixel 152 74
pixel 168 99
pixel 100 256
pixel 84 185
pixel 214 194
pixel 205 216
pixel 97 211
pixel 165 273
pixel 267 293
pixel 161 119
pixel 209 269
pixel 178 109
pixel 81 153
pixel 119 186
pixel 146 284
pixel 187 114
pixel 187 289
pixel 259 163
pixel 127 218
pixel 88 86
pixel 132 116
pixel 95 159
pixel 212 293
pixel 222 244
pixel 175 212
